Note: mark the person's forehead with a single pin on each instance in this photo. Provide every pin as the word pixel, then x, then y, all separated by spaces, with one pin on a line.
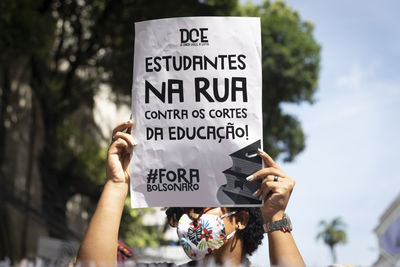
pixel 204 209
pixel 215 210
pixel 199 209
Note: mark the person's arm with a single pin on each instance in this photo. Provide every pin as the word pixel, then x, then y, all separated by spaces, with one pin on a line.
pixel 99 245
pixel 276 193
pixel 283 250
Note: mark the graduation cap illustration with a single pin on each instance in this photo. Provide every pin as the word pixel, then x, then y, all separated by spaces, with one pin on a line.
pixel 237 189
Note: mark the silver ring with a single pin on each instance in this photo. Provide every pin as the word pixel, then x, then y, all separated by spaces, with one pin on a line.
pixel 276 178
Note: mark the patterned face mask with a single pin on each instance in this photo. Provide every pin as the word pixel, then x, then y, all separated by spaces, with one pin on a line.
pixel 202 236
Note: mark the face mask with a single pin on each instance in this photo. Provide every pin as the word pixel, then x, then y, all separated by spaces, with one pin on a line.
pixel 202 236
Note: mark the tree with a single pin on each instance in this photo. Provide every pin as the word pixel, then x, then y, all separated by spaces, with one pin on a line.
pixel 290 63
pixel 59 53
pixel 332 233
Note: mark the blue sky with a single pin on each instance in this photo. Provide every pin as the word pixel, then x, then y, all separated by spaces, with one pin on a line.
pixel 350 165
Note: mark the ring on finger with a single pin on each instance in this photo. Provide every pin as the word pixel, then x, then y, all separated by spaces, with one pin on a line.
pixel 276 178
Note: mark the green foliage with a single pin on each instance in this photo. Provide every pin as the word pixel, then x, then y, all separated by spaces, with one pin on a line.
pixel 80 150
pixel 22 31
pixel 69 48
pixel 290 62
pixel 134 232
pixel 332 233
pixel 223 7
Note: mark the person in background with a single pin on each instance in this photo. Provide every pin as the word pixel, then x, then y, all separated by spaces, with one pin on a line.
pixel 210 235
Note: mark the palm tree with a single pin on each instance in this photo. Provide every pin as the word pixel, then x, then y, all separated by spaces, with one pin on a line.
pixel 332 233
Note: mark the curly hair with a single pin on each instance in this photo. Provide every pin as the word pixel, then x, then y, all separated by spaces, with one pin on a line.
pixel 253 234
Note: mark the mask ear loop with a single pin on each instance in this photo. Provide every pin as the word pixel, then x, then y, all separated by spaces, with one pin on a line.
pixel 228 214
pixel 230 235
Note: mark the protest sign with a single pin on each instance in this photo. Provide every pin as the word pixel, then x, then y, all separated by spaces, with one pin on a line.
pixel 196 102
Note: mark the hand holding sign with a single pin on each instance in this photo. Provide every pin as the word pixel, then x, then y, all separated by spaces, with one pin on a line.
pixel 276 188
pixel 118 155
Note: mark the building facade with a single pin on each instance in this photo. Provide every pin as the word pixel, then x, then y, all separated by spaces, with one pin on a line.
pixel 388 234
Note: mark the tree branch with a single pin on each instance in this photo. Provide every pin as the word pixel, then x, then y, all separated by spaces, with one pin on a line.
pixel 57 54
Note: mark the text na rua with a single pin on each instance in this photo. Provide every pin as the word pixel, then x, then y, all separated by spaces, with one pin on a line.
pixel 234 90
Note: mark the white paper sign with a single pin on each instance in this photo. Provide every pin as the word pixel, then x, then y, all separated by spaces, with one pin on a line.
pixel 196 102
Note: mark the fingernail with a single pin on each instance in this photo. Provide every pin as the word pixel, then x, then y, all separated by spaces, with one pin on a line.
pixel 260 151
pixel 249 177
pixel 255 193
pixel 260 198
pixel 134 142
pixel 129 121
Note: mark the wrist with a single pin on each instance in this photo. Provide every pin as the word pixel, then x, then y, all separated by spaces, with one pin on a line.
pixel 273 217
pixel 284 224
pixel 113 198
pixel 120 189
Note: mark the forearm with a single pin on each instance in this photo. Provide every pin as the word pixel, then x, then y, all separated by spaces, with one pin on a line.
pixel 282 247
pixel 100 242
pixel 276 188
pixel 283 250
